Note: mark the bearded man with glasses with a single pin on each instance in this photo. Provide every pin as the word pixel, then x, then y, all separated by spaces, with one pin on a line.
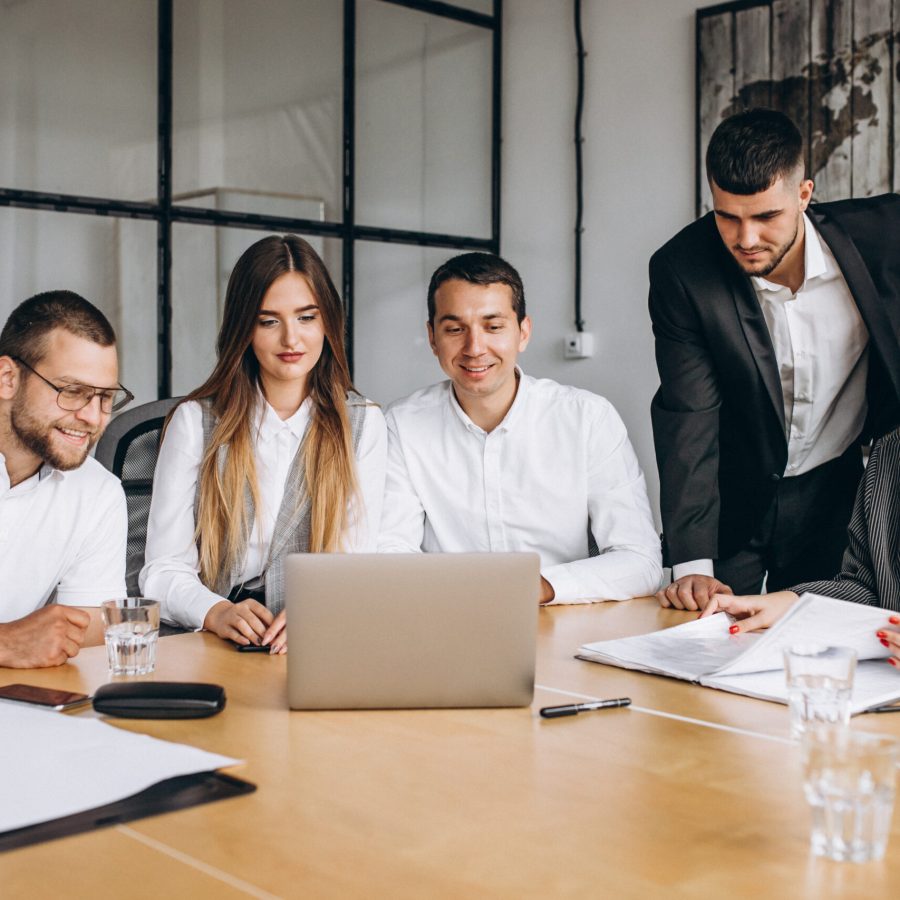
pixel 63 519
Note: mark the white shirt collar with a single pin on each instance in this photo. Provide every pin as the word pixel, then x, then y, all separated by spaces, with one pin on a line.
pixel 45 471
pixel 512 414
pixel 270 424
pixel 815 261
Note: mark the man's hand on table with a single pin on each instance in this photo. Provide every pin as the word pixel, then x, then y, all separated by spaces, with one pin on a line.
pixel 47 637
pixel 692 592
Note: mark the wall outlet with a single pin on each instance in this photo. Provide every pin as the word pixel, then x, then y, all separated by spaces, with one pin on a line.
pixel 579 345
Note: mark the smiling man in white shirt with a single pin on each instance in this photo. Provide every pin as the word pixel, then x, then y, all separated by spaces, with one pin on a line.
pixel 63 521
pixel 495 460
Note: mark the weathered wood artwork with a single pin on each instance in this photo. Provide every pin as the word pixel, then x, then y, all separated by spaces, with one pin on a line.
pixel 832 65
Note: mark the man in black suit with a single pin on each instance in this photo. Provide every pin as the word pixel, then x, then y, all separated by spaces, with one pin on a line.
pixel 777 329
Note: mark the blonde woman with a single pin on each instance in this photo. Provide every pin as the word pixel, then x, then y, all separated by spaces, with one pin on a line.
pixel 274 454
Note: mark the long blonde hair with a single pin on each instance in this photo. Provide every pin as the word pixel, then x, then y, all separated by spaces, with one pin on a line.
pixel 222 527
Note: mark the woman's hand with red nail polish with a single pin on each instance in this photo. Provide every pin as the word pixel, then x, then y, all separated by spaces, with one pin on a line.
pixel 755 611
pixel 891 639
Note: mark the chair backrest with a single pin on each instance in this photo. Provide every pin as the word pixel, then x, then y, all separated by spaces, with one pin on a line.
pixel 129 448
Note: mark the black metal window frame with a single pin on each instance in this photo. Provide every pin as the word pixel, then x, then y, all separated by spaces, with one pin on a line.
pixel 165 213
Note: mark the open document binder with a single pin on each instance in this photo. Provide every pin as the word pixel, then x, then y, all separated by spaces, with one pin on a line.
pixel 165 796
pixel 702 651
pixel 63 774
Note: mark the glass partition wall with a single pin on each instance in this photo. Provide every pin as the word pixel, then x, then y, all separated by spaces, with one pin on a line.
pixel 145 145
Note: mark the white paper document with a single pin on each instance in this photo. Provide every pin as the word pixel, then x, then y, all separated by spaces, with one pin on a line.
pixel 54 765
pixel 704 652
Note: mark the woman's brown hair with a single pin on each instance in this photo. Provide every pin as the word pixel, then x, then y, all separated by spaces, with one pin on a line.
pixel 222 529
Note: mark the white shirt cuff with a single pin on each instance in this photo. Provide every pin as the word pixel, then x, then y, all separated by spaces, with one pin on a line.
pixel 694 567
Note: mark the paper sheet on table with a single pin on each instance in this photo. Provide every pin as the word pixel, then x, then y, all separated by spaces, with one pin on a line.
pixel 874 684
pixel 686 651
pixel 815 619
pixel 54 765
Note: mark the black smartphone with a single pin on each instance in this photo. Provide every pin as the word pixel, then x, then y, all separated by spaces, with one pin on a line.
pixel 253 648
pixel 39 696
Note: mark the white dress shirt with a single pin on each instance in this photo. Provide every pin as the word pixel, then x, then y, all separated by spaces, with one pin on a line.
pixel 559 459
pixel 62 539
pixel 821 347
pixel 171 568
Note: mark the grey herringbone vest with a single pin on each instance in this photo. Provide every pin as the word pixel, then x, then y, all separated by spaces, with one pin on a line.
pixel 292 524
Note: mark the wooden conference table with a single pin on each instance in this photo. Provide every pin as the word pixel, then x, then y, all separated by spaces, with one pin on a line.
pixel 689 793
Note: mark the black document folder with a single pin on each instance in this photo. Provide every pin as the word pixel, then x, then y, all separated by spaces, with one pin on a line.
pixel 166 796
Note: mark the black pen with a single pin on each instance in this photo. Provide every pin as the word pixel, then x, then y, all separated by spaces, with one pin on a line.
pixel 551 712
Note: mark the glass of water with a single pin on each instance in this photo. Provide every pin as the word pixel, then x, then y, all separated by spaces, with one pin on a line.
pixel 820 683
pixel 131 630
pixel 849 781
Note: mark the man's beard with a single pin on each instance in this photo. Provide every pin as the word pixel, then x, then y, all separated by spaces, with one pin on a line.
pixel 38 438
pixel 778 255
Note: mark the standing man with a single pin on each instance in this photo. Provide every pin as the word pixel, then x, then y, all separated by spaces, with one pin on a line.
pixel 777 330
pixel 63 521
pixel 493 460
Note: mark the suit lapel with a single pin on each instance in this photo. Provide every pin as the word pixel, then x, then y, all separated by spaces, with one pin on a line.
pixel 756 333
pixel 883 330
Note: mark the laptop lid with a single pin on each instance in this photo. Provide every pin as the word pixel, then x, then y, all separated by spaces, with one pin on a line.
pixel 411 630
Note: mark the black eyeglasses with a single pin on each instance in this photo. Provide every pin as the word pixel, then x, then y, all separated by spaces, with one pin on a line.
pixel 72 397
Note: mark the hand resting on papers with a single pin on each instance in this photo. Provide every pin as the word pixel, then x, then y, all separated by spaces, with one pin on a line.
pixel 762 611
pixel 752 611
pixel 890 637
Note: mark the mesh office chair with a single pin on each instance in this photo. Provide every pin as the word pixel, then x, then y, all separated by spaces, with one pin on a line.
pixel 129 448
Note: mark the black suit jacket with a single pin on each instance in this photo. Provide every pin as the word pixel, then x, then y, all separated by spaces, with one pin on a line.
pixel 718 417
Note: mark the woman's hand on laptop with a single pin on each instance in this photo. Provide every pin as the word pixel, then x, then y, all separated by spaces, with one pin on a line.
pixel 752 611
pixel 276 634
pixel 244 623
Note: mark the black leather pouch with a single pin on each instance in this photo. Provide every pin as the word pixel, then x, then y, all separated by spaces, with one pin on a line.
pixel 159 700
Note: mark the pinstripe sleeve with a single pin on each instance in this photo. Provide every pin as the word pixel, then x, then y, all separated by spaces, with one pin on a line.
pixel 867 570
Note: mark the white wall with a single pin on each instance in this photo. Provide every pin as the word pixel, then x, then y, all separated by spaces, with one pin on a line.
pixel 639 170
pixel 639 182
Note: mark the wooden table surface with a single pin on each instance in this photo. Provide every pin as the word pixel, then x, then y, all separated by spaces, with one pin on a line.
pixel 689 793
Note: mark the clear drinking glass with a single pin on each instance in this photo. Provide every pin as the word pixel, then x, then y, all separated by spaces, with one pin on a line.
pixel 131 631
pixel 849 782
pixel 820 683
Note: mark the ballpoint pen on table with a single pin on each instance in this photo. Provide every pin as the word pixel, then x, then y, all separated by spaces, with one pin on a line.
pixel 552 712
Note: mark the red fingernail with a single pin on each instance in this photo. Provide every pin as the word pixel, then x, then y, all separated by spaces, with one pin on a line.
pixel 880 634
pixel 893 661
pixel 886 644
pixel 734 629
pixel 894 620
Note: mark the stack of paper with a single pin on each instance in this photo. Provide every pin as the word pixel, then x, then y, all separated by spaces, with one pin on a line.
pixel 704 652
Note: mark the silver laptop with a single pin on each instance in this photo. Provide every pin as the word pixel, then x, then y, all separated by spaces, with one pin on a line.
pixel 411 630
